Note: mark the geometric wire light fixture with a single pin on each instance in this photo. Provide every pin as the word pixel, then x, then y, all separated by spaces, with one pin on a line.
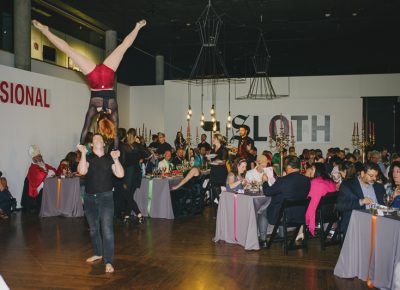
pixel 260 85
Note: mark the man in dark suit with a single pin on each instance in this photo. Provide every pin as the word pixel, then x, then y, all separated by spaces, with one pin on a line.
pixel 359 193
pixel 293 186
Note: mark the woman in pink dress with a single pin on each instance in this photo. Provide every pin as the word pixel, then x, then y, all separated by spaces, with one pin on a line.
pixel 321 184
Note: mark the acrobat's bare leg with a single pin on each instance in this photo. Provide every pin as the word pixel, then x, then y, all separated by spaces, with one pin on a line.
pixel 85 65
pixel 115 57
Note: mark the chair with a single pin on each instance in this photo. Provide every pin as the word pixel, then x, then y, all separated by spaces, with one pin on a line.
pixel 286 223
pixel 327 213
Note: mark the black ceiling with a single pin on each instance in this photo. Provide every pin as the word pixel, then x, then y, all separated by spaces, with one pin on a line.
pixel 304 37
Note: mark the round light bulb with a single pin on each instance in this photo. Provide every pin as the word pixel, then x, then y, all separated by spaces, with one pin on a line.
pixel 215 127
pixel 212 119
pixel 202 117
pixel 188 117
pixel 190 111
pixel 229 125
pixel 201 123
pixel 229 118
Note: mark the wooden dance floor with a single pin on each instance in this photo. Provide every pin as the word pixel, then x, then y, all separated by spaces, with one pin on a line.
pixel 50 253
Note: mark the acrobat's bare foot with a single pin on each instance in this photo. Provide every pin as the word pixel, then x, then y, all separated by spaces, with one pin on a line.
pixel 40 26
pixel 141 23
pixel 93 259
pixel 109 268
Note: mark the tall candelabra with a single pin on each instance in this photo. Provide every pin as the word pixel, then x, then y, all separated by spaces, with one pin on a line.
pixel 188 139
pixel 367 138
pixel 280 142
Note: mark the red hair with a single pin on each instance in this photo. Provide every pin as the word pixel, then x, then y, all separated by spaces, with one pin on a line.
pixel 106 126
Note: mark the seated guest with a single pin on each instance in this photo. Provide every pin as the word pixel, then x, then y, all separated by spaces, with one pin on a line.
pixel 62 169
pixel 72 158
pixel 179 142
pixel 321 184
pixel 251 156
pixel 37 173
pixel 350 158
pixel 276 161
pixel 179 159
pixel 291 186
pixel 256 174
pixel 191 175
pixel 235 180
pixel 393 187
pixel 6 199
pixel 375 157
pixel 359 193
pixel 202 155
pixel 162 145
pixel 166 164
pixel 292 151
pixel 204 143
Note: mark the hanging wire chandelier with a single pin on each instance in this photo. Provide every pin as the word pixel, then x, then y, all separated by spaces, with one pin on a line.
pixel 261 87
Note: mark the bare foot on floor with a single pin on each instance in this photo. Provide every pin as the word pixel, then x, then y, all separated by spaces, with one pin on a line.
pixel 109 268
pixel 39 25
pixel 93 259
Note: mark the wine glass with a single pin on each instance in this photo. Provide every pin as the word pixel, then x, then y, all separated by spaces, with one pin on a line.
pixel 387 200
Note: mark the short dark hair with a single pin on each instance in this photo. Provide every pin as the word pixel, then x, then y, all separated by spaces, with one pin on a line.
pixel 293 161
pixel 370 166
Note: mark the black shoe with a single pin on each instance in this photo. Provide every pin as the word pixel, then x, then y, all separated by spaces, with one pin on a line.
pixel 140 220
pixel 263 244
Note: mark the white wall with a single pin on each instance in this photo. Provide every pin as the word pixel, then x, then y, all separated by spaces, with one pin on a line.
pixel 147 106
pixel 337 96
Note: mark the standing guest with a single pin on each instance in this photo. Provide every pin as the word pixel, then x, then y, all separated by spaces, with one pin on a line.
pixel 154 141
pixel 204 143
pixel 219 171
pixel 235 180
pixel 162 145
pixel 294 186
pixel 321 184
pixel 37 173
pixel 359 193
pixel 98 169
pixel 6 199
pixel 243 141
pixel 179 142
pixel 135 153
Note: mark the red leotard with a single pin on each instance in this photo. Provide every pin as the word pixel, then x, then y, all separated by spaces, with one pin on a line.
pixel 101 78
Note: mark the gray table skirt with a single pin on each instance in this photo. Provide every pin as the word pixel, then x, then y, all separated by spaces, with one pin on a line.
pixel 160 205
pixel 246 219
pixel 354 256
pixel 66 203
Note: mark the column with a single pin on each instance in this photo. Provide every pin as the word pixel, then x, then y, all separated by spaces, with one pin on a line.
pixel 159 69
pixel 22 34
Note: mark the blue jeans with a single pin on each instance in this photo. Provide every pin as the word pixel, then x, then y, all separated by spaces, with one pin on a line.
pixel 99 211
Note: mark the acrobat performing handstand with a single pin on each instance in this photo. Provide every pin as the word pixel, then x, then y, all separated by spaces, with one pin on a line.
pixel 100 78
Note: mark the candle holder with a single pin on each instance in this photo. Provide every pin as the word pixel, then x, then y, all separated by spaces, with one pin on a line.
pixel 188 138
pixel 281 142
pixel 366 140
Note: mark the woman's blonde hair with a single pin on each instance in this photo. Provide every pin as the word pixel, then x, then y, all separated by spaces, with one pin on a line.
pixel 221 139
